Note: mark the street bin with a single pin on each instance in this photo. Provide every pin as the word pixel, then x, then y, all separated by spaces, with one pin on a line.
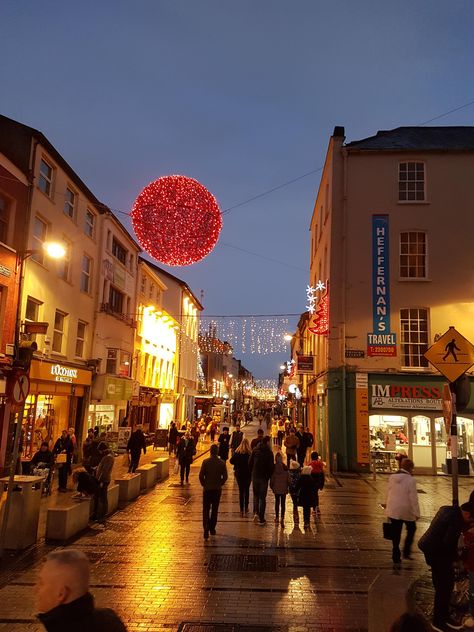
pixel 23 517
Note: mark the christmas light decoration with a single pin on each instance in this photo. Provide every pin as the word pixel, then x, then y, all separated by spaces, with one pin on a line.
pixel 176 220
pixel 320 323
pixel 257 334
pixel 311 295
pixel 266 390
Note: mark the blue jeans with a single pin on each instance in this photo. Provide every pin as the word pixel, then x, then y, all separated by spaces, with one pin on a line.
pixel 260 488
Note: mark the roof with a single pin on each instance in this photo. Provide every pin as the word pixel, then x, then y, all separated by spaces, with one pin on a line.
pixel 12 143
pixel 419 138
pixel 174 278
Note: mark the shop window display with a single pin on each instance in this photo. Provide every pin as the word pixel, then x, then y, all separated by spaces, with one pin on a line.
pixel 388 436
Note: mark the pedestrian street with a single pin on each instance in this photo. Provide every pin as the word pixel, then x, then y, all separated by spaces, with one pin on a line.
pixel 152 565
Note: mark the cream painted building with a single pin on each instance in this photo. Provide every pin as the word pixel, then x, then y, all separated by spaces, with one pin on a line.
pixel 60 293
pixel 182 305
pixel 392 232
pixel 155 365
pixel 115 322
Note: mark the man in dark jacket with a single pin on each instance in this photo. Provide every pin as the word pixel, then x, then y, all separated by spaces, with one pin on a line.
pixel 440 547
pixel 256 440
pixel 212 476
pixel 63 446
pixel 261 465
pixel 236 438
pixel 135 445
pixel 64 600
pixel 103 476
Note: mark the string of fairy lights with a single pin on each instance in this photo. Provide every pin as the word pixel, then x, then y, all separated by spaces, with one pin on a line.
pixel 254 335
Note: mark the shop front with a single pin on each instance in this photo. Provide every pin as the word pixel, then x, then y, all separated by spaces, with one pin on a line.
pixel 109 401
pixel 144 408
pixel 406 414
pixel 166 409
pixel 56 401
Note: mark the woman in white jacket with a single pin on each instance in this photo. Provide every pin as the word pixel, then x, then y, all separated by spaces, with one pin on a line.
pixel 402 507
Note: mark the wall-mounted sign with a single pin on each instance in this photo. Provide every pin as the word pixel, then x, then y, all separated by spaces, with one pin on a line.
pixel 305 365
pixel 410 397
pixel 381 341
pixel 354 353
pixel 362 418
pixel 41 370
pixel 4 271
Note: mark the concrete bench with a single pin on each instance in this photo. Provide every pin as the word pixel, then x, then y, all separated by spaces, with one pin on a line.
pixel 162 467
pixel 64 522
pixel 113 498
pixel 148 473
pixel 129 486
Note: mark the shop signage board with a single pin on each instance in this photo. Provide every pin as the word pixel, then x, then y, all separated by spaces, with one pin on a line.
pixel 362 418
pixel 452 354
pixel 56 372
pixel 408 397
pixel 381 341
pixel 354 353
pixel 305 365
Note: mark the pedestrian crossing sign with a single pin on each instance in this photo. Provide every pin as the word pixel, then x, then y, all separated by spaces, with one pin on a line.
pixel 452 354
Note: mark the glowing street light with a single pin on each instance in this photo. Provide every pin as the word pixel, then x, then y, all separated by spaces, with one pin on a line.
pixel 54 249
pixel 288 337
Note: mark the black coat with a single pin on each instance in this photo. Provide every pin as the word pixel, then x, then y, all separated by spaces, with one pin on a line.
pixel 172 435
pixel 236 439
pixel 224 443
pixel 66 445
pixel 240 461
pixel 440 542
pixel 307 491
pixel 185 452
pixel 137 442
pixel 81 615
pixel 261 462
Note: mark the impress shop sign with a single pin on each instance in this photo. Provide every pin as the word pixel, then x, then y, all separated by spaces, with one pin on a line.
pixel 411 397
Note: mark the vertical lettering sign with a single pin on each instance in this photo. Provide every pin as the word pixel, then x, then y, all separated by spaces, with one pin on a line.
pixel 381 342
pixel 362 418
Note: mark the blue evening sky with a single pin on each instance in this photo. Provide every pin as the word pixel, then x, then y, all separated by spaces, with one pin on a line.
pixel 240 95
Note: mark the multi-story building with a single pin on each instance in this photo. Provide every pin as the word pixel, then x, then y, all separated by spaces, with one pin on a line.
pixel 115 321
pixel 155 365
pixel 392 232
pixel 61 294
pixel 183 308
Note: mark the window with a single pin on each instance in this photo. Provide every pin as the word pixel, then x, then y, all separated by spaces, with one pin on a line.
pixel 411 182
pixel 64 264
pixel 143 285
pixel 39 237
pixel 414 337
pixel 59 322
pixel 32 309
pixel 80 338
pixel 4 216
pixel 116 299
pixel 111 366
pixel 89 225
pixel 413 255
pixel 45 182
pixel 70 203
pixel 119 251
pixel 86 272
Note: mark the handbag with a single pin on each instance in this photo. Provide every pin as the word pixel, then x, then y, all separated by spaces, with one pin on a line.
pixel 61 458
pixel 387 530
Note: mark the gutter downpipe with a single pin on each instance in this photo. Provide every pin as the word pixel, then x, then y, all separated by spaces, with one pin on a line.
pixel 343 309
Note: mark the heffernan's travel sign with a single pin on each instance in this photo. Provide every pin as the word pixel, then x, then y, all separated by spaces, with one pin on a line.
pixel 381 341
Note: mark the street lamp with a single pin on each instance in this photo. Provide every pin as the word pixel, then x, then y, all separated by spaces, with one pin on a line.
pixel 288 337
pixel 21 366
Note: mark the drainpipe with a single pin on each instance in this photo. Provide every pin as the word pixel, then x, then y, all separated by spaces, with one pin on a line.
pixel 343 308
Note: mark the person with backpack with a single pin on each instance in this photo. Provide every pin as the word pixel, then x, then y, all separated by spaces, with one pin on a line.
pixel 439 545
pixel 279 485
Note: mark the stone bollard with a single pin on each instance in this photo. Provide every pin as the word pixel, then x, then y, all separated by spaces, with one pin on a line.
pixel 388 598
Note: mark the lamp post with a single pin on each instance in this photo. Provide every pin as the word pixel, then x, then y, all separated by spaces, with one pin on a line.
pixel 21 367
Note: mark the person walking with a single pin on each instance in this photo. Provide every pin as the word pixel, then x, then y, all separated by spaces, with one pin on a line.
pixel 279 483
pixel 294 474
pixel 240 460
pixel 281 432
pixel 439 545
pixel 172 438
pixel 103 475
pixel 308 439
pixel 291 444
pixel 402 508
pixel 236 438
pixel 212 476
pixel 90 452
pixel 317 472
pixel 224 443
pixel 301 449
pixel 135 445
pixel 261 465
pixel 63 598
pixel 274 433
pixel 184 453
pixel 258 439
pixel 307 492
pixel 63 449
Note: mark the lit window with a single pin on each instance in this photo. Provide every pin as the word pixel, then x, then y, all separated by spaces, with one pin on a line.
pixel 86 272
pixel 411 182
pixel 413 255
pixel 80 338
pixel 40 229
pixel 69 203
pixel 45 182
pixel 414 337
pixel 58 334
pixel 118 251
pixel 89 225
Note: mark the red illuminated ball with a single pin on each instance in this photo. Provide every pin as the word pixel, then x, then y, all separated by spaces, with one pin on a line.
pixel 176 220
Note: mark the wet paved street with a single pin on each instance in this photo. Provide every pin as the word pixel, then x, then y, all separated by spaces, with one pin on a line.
pixel 152 565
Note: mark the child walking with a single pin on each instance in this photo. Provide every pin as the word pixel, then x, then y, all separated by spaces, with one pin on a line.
pixel 307 493
pixel 279 485
pixel 294 476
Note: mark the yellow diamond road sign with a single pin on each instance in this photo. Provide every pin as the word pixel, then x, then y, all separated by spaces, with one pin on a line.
pixel 452 354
